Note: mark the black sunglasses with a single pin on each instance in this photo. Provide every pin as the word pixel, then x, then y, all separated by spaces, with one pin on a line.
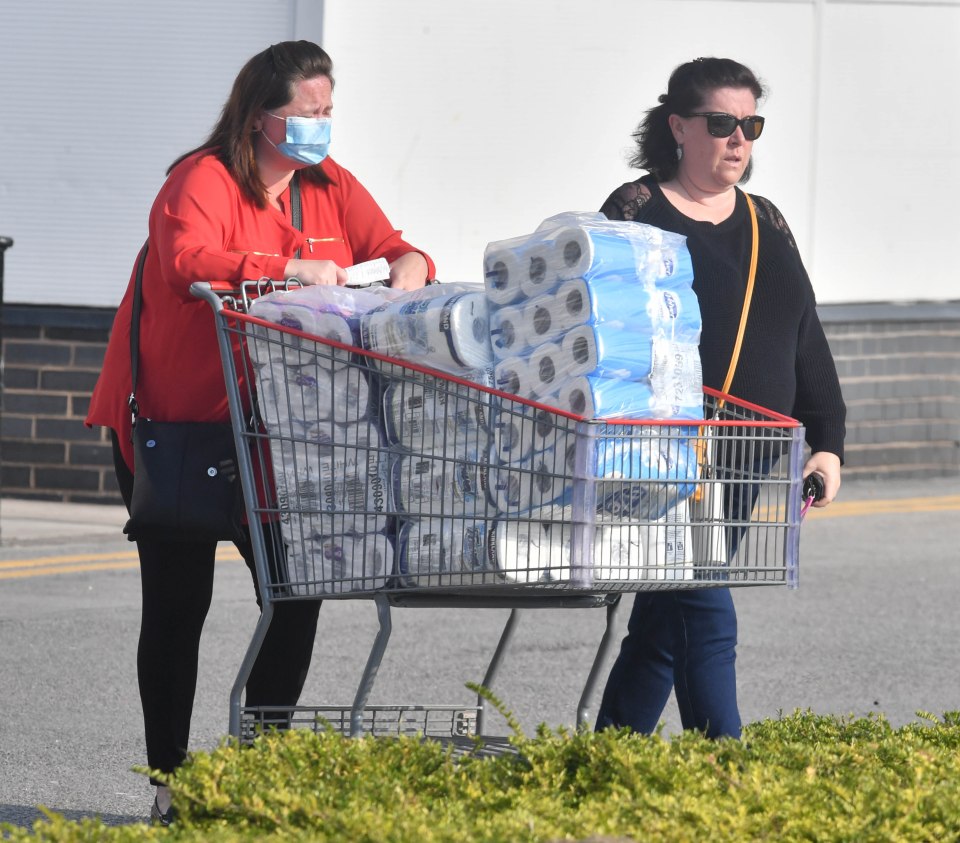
pixel 722 125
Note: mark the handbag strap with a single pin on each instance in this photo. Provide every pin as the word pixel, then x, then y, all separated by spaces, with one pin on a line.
pixel 135 330
pixel 296 212
pixel 751 277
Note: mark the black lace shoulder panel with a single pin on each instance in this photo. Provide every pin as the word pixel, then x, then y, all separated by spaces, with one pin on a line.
pixel 769 213
pixel 625 202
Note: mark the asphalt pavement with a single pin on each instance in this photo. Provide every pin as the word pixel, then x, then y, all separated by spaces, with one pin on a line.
pixel 872 629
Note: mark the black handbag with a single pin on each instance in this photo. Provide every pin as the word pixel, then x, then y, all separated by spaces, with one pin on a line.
pixel 185 481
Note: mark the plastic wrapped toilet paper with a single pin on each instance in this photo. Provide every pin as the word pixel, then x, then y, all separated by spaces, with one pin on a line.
pixel 331 488
pixel 310 394
pixel 519 268
pixel 291 349
pixel 513 435
pixel 647 474
pixel 447 418
pixel 617 302
pixel 503 269
pixel 618 553
pixel 544 319
pixel 668 546
pixel 589 245
pixel 602 398
pixel 426 486
pixel 508 331
pixel 546 368
pixel 584 252
pixel 444 552
pixel 673 391
pixel 331 312
pixel 340 564
pixel 543 481
pixel 445 330
pixel 676 379
pixel 541 274
pixel 520 431
pixel 526 552
pixel 605 351
pixel 514 375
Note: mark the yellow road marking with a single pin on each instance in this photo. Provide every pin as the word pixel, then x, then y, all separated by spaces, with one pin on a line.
pixel 45 566
pixel 888 506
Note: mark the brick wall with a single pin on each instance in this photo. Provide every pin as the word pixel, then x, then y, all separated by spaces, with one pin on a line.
pixel 899 367
pixel 52 357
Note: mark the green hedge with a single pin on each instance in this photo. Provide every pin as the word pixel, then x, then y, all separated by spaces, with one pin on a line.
pixel 802 777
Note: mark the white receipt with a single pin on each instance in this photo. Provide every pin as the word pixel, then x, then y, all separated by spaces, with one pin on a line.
pixel 367 273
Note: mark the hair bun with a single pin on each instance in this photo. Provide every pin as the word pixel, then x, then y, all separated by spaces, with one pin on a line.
pixel 662 99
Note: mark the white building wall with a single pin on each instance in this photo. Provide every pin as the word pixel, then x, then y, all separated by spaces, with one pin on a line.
pixel 472 120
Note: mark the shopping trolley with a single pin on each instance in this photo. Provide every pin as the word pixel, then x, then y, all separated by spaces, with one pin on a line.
pixel 370 477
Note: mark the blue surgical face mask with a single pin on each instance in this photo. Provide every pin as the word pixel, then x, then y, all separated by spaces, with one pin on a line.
pixel 307 141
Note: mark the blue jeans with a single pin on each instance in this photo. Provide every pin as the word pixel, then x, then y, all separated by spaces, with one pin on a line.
pixel 684 640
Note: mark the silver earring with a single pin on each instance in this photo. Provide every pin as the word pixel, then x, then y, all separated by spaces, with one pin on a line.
pixel 679 152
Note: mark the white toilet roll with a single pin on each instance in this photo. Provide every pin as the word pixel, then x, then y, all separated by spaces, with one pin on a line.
pixel 447 332
pixel 588 252
pixel 519 431
pixel 674 265
pixel 618 553
pixel 513 375
pixel 540 270
pixel 623 302
pixel 595 398
pixel 544 319
pixel 503 270
pixel 425 486
pixel 508 331
pixel 546 367
pixel 311 394
pixel 528 551
pixel 294 349
pixel 340 564
pixel 543 481
pixel 550 431
pixel 605 351
pixel 331 488
pixel 448 418
pixel 675 313
pixel 512 436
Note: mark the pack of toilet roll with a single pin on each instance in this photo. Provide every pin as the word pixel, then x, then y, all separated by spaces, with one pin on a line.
pixel 441 326
pixel 445 552
pixel 596 317
pixel 329 458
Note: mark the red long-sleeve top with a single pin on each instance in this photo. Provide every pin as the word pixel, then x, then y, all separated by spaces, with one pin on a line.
pixel 202 228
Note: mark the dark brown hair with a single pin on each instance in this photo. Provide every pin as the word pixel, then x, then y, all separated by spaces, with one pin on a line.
pixel 264 83
pixel 689 85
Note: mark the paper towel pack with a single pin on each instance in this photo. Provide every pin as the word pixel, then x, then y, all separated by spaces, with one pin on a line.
pixel 443 326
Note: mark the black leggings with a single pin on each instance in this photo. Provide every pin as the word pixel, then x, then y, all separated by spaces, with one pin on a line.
pixel 177 586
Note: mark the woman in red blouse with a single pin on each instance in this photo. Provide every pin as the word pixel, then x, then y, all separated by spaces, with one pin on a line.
pixel 224 214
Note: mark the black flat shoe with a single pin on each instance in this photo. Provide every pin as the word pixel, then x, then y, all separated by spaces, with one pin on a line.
pixel 158 817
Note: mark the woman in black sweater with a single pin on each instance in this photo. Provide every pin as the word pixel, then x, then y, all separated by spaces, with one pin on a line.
pixel 696 147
